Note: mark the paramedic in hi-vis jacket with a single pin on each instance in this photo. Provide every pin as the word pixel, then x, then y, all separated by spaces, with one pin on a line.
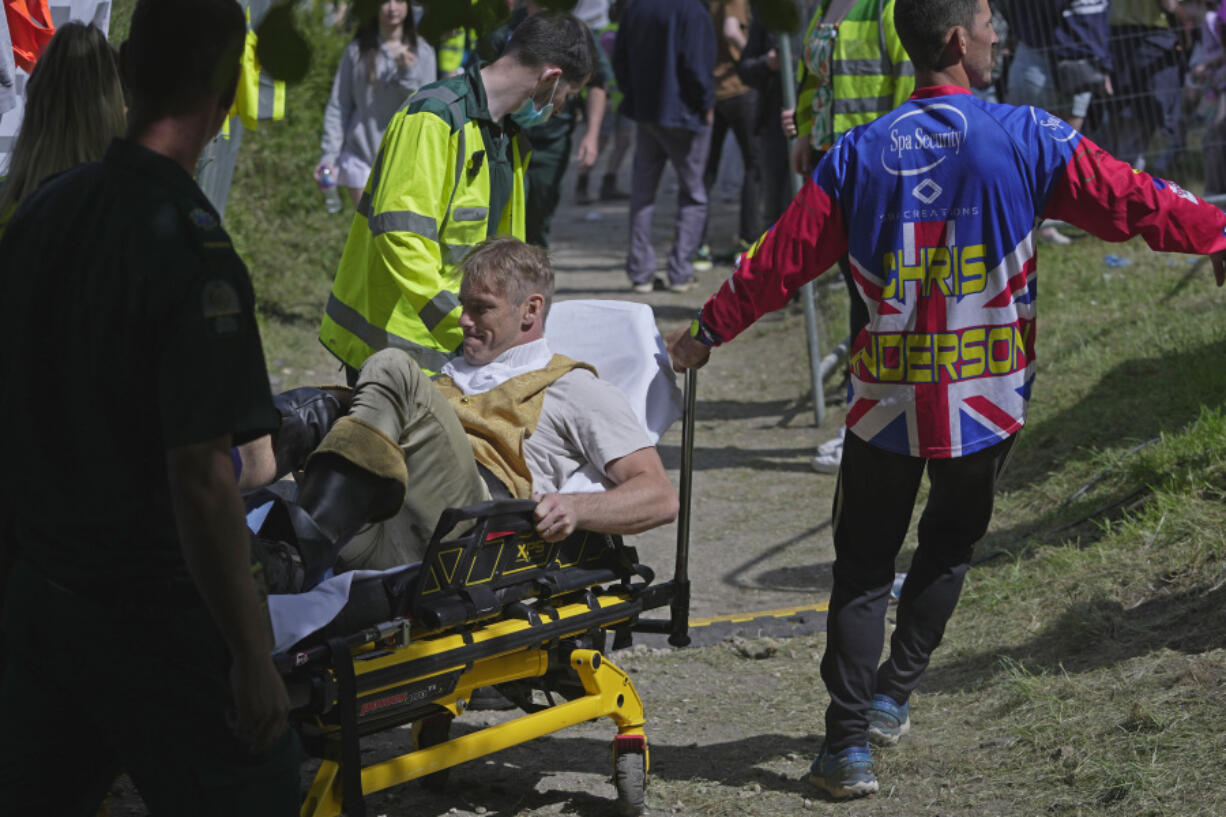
pixel 449 173
pixel 936 205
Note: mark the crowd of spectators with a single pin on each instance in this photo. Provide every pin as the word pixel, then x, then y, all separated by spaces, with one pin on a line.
pixel 1143 78
pixel 1138 76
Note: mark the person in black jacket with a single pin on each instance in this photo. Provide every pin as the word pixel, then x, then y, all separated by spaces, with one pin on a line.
pixel 759 68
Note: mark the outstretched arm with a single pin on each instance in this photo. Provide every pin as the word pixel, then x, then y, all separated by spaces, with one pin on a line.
pixel 642 499
pixel 1108 198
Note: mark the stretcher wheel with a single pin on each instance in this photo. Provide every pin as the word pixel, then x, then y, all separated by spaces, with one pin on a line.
pixel 630 780
pixel 432 731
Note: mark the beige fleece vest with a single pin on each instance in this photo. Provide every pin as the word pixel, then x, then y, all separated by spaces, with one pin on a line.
pixel 500 420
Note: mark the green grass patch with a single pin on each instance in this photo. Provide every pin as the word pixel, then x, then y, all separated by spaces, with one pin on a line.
pixel 1092 645
pixel 276 215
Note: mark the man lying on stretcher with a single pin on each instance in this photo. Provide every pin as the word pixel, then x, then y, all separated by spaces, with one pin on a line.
pixel 510 418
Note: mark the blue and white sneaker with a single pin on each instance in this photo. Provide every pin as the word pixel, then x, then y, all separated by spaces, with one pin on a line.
pixel 888 721
pixel 846 774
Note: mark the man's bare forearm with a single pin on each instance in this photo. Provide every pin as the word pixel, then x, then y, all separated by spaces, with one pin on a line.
pixel 594 109
pixel 259 463
pixel 640 504
pixel 642 498
pixel 213 535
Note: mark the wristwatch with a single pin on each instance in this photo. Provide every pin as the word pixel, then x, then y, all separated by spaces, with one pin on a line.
pixel 703 333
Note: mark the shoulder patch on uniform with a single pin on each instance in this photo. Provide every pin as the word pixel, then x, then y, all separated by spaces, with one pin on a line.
pixel 202 218
pixel 221 307
pixel 220 299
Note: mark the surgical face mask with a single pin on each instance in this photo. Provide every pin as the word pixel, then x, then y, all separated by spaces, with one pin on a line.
pixel 528 114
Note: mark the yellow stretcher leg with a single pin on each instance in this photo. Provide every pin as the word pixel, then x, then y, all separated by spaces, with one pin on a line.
pixel 609 693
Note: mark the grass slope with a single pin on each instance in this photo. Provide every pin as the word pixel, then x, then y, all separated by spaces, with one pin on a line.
pixel 276 215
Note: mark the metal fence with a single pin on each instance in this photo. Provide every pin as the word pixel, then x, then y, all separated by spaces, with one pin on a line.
pixel 1152 94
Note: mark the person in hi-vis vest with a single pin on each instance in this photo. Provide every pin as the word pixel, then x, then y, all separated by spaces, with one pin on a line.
pixel 449 173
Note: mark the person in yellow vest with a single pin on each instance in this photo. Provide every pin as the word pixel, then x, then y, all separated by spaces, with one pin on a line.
pixel 449 173
pixel 452 51
pixel 854 69
pixel 508 418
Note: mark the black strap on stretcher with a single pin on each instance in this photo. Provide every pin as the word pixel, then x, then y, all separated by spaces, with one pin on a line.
pixel 352 801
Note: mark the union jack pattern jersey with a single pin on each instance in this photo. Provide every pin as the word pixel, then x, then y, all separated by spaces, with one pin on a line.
pixel 936 205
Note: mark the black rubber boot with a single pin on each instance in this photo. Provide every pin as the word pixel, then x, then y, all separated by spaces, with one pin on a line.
pixel 335 500
pixel 306 415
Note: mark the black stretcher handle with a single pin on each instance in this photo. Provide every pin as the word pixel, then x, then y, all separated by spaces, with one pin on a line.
pixel 482 510
pixel 679 609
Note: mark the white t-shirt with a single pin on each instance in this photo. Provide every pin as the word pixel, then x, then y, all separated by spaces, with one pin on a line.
pixel 585 422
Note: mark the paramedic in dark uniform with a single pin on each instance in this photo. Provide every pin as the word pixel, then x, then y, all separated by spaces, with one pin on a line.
pixel 135 634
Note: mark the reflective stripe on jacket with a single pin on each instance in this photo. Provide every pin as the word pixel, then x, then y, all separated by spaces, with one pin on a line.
pixel 425 206
pixel 259 97
pixel 872 72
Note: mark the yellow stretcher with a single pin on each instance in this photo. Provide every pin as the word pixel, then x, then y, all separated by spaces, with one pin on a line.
pixel 493 606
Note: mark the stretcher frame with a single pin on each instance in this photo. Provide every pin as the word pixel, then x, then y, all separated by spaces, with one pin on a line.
pixel 424 669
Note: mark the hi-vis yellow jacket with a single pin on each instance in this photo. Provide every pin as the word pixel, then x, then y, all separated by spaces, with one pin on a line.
pixel 872 73
pixel 451 52
pixel 425 206
pixel 259 97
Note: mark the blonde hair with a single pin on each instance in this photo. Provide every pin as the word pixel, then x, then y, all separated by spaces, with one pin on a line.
pixel 74 108
pixel 507 267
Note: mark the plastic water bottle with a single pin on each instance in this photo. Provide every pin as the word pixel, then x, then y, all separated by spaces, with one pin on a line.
pixel 332 196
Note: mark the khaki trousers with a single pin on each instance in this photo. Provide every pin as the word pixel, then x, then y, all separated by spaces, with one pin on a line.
pixel 394 396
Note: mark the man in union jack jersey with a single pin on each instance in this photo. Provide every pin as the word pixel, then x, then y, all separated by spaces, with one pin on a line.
pixel 936 204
